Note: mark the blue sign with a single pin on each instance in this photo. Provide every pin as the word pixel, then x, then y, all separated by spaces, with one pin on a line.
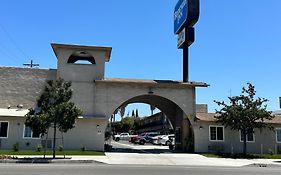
pixel 180 15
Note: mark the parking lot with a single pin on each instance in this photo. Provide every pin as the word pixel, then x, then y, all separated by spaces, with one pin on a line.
pixel 126 146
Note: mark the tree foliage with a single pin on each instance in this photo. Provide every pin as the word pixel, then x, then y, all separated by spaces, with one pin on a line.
pixel 54 109
pixel 126 124
pixel 244 113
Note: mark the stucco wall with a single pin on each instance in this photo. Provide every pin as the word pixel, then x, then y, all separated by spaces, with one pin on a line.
pixel 265 140
pixel 22 85
pixel 80 72
pixel 87 132
pixel 108 97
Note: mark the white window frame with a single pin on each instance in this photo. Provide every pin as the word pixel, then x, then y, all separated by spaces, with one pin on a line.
pixel 216 126
pixel 31 134
pixel 254 137
pixel 276 135
pixel 7 129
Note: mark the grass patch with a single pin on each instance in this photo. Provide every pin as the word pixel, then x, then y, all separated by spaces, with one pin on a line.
pixel 66 152
pixel 242 156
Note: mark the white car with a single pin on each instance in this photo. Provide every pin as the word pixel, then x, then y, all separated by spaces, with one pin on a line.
pixel 122 136
pixel 156 139
pixel 167 139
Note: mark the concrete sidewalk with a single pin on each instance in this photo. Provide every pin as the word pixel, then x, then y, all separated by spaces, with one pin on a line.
pixel 163 159
pixel 180 159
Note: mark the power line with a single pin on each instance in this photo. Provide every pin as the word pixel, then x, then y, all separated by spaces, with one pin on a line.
pixel 11 55
pixel 13 41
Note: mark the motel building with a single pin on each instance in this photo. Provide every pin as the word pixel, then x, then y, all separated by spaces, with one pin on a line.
pixel 98 97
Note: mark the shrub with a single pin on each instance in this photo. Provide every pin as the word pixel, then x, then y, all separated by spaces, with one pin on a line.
pixel 83 148
pixel 16 147
pixel 60 147
pixel 270 151
pixel 39 147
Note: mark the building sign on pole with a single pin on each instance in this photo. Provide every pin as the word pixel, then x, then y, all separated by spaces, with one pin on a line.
pixel 181 38
pixel 186 36
pixel 180 15
pixel 186 14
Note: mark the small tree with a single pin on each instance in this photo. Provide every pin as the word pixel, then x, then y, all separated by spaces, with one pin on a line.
pixel 244 113
pixel 152 108
pixel 54 109
pixel 133 113
pixel 137 113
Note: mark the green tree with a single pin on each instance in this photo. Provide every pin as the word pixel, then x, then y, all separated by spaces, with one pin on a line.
pixel 133 113
pixel 244 113
pixel 54 109
pixel 127 124
pixel 152 108
pixel 137 113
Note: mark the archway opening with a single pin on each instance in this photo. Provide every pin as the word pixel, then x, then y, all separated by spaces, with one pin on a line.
pixel 151 120
pixel 81 57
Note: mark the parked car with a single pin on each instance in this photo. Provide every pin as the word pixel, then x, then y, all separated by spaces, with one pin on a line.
pixel 136 137
pixel 122 136
pixel 145 138
pixel 156 140
pixel 167 139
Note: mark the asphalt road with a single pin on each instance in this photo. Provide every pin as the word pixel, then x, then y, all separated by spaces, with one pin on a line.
pixel 94 169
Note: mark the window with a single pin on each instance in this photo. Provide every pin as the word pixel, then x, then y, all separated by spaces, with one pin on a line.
pixel 278 135
pixel 249 137
pixel 4 126
pixel 29 134
pixel 216 133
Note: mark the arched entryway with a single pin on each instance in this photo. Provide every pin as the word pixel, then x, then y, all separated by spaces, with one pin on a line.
pixel 182 126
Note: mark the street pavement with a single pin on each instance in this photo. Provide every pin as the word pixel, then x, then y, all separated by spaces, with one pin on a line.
pixel 93 169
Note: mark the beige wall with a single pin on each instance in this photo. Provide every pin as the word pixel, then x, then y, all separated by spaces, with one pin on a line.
pixel 108 97
pixel 80 72
pixel 265 140
pixel 87 132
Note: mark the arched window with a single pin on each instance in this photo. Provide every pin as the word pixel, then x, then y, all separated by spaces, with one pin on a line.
pixel 81 57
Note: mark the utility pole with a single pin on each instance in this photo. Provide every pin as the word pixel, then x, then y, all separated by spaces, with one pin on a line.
pixel 31 64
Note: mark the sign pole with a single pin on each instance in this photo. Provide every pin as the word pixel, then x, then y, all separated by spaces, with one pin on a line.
pixel 185 62
pixel 186 14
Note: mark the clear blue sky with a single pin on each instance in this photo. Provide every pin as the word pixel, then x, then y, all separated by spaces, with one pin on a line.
pixel 236 41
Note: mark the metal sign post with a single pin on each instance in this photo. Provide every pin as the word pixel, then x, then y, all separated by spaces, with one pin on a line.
pixel 186 14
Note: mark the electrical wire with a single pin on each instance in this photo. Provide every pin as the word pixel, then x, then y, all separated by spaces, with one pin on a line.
pixel 11 54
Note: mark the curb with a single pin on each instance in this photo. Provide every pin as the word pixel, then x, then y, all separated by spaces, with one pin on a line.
pixel 263 165
pixel 47 161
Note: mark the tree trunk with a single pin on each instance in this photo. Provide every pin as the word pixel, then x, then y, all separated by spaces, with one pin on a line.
pixel 54 141
pixel 244 142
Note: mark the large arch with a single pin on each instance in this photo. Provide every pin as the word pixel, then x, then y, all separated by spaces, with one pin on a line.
pixel 182 126
pixel 175 98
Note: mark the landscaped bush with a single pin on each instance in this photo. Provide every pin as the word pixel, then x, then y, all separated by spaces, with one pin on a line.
pixel 60 147
pixel 83 148
pixel 39 147
pixel 16 147
pixel 270 152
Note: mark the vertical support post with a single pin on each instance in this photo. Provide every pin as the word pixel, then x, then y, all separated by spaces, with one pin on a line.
pixel 185 62
pixel 54 140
